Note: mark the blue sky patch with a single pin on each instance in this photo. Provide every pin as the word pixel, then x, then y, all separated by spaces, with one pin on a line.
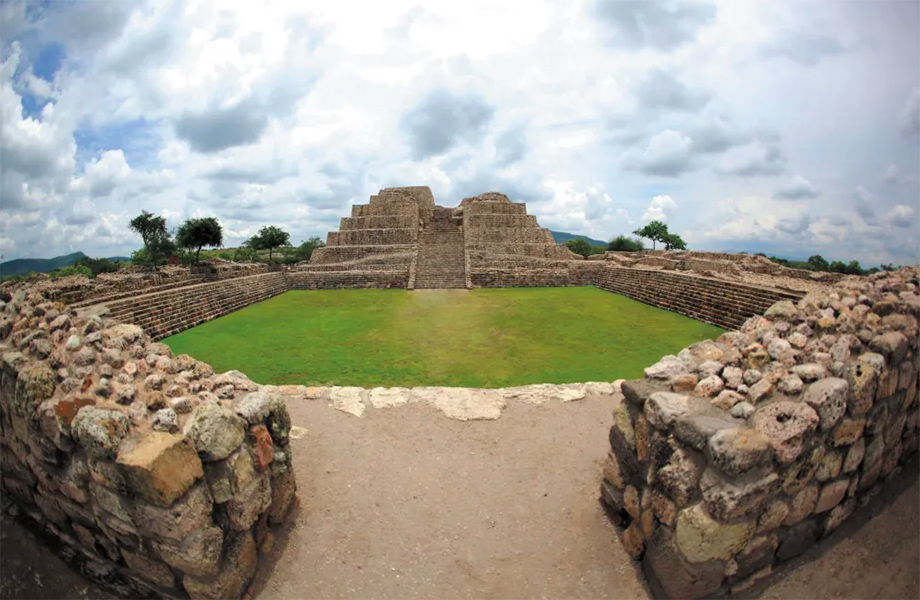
pixel 137 138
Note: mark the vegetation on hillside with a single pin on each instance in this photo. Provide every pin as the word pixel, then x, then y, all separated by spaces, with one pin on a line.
pixel 657 231
pixel 818 263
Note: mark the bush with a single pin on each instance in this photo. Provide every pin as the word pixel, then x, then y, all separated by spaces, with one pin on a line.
pixel 621 243
pixel 72 270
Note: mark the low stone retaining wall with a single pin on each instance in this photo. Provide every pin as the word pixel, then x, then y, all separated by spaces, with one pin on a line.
pixel 167 313
pixel 342 280
pixel 150 467
pixel 722 303
pixel 737 455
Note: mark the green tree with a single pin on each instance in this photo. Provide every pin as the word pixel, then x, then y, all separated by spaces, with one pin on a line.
pixel 579 246
pixel 195 234
pixel 655 231
pixel 621 243
pixel 306 248
pixel 853 268
pixel 838 267
pixel 98 265
pixel 73 269
pixel 157 244
pixel 672 241
pixel 818 263
pixel 269 238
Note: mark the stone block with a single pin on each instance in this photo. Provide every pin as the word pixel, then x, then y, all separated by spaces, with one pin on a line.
pixel 188 514
pixel 802 505
pixel 701 538
pixel 854 456
pixel 215 431
pixel 246 506
pixel 662 409
pixel 695 429
pixel 737 451
pixel 229 476
pixel 680 477
pixel 638 391
pixel 848 431
pixel 198 554
pixel 667 570
pixel 772 516
pixel 100 431
pixel 756 555
pixel 161 467
pixel 786 423
pixel 863 380
pixel 236 571
pixel 831 494
pixel 737 497
pixel 799 539
pixel 283 487
pixel 150 569
pixel 633 539
pixel 829 399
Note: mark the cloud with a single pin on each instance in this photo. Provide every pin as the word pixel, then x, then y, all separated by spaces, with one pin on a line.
pixel 668 154
pixel 660 90
pixel 660 208
pixel 798 188
pixel 802 47
pixel 891 174
pixel 910 115
pixel 901 216
pixel 443 119
pixel 511 146
pixel 715 135
pixel 659 24
pixel 865 203
pixel 221 128
pixel 753 159
pixel 105 174
pixel 794 225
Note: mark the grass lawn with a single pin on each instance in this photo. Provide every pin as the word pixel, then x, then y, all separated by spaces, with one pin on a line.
pixel 480 338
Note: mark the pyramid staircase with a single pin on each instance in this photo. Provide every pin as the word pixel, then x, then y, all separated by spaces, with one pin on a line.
pixel 441 252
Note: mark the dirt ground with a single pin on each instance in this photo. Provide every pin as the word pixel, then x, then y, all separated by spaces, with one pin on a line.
pixel 407 503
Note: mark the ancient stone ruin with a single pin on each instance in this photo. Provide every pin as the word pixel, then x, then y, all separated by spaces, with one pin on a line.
pixel 739 454
pixel 726 460
pixel 402 239
pixel 162 476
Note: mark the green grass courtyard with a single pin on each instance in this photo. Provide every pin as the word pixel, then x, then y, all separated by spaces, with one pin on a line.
pixel 479 338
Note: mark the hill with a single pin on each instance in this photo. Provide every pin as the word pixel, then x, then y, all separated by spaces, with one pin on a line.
pixel 24 266
pixel 561 237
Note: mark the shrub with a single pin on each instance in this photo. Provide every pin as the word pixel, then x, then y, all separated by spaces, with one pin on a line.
pixel 621 243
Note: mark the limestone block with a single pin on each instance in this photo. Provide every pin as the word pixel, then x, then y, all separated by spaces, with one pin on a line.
pixel 738 450
pixel 831 494
pixel 198 554
pixel 150 569
pixel 893 345
pixel 189 513
pixel 848 431
pixel 662 409
pixel 810 372
pixel 665 567
pixel 696 429
pixel 737 497
pixel 772 516
pixel 786 424
pixel 863 380
pixel 100 431
pixel 701 538
pixel 757 554
pixel 666 369
pixel 829 466
pixel 283 489
pixel 680 477
pixel 246 506
pixel 802 505
pixel 236 571
pixel 800 538
pixel 638 391
pixel 215 431
pixel 829 399
pixel 161 467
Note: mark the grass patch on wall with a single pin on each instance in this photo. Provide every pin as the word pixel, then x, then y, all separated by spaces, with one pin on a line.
pixel 478 338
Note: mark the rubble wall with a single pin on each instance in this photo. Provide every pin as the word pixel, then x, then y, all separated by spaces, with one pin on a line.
pixel 386 277
pixel 150 467
pixel 737 455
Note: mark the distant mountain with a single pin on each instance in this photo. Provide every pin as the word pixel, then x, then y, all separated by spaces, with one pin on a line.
pixel 24 266
pixel 561 237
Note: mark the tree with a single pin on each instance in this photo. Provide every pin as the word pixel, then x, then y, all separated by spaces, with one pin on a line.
pixel 269 238
pixel 655 231
pixel 306 248
pixel 838 267
pixel 198 233
pixel 672 241
pixel 579 246
pixel 853 268
pixel 157 243
pixel 818 263
pixel 621 243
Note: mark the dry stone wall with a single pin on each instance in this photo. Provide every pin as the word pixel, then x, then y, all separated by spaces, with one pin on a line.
pixel 737 455
pixel 150 467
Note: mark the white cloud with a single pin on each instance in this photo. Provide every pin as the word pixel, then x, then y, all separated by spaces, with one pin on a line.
pixel 667 154
pixel 798 188
pixel 754 159
pixel 892 175
pixel 901 216
pixel 660 208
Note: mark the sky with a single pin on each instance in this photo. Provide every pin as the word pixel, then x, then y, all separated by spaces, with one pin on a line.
pixel 785 127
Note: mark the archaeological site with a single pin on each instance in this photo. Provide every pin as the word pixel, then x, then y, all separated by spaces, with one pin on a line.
pixel 717 474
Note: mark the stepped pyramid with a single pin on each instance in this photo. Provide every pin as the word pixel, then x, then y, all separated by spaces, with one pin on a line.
pixel 401 239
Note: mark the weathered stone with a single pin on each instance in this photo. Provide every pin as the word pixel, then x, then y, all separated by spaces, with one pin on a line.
pixel 198 554
pixel 161 467
pixel 695 429
pixel 863 381
pixel 848 431
pixel 829 399
pixel 838 515
pixel 893 345
pixel 680 478
pixel 664 509
pixel 684 383
pixel 752 376
pixel 802 505
pixel 778 347
pixel 829 466
pixel 230 476
pixel 772 516
pixel 701 538
pixel 810 372
pixel 166 420
pixel 666 568
pixel 800 538
pixel 784 310
pixel 786 424
pixel 759 391
pixel 100 431
pixel 740 497
pixel 790 385
pixel 215 431
pixel 756 555
pixel 611 471
pixel 662 409
pixel 638 391
pixel 633 540
pixel 831 495
pixel 666 369
pixel 262 450
pixel 188 514
pixel 736 451
pixel 246 506
pixel 709 387
pixel 743 410
pixel 236 571
pixel 854 456
pixel 631 501
pixel 152 570
pixel 755 356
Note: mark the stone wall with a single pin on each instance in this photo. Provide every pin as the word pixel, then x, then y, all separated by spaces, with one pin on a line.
pixel 149 467
pixel 737 455
pixel 166 313
pixel 723 303
pixel 350 279
pixel 216 269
